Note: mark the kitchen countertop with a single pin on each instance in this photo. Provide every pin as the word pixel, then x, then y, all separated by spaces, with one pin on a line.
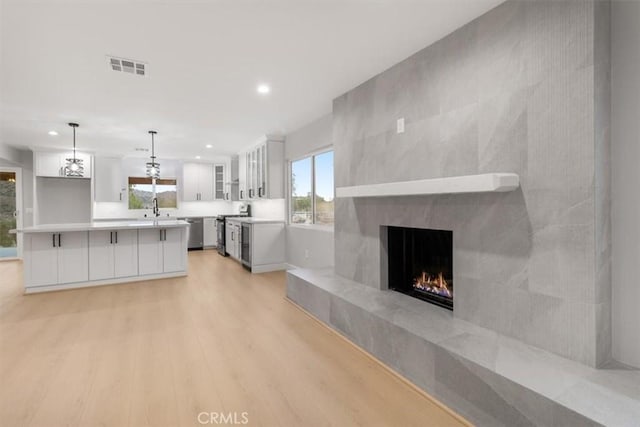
pixel 104 225
pixel 252 220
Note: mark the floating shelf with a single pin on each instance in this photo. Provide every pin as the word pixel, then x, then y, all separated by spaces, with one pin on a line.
pixel 484 183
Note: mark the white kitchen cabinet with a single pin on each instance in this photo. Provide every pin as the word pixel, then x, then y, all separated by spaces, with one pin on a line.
pixel 232 239
pixel 53 258
pixel 229 244
pixel 113 254
pixel 265 243
pixel 210 233
pixel 52 164
pixel 242 176
pixel 220 177
pixel 109 180
pixel 197 182
pixel 265 170
pixel 161 250
pixel 173 250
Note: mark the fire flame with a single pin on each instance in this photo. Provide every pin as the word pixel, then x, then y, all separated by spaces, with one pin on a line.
pixel 434 284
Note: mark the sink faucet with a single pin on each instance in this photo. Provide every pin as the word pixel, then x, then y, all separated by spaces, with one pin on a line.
pixel 156 209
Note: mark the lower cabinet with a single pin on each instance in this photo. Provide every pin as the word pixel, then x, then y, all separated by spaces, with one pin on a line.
pixel 161 250
pixel 53 258
pixel 113 254
pixel 232 239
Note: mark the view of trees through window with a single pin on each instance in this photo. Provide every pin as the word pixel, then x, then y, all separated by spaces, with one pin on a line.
pixel 141 193
pixel 312 176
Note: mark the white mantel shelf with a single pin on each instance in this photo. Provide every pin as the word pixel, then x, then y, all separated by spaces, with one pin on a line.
pixel 484 183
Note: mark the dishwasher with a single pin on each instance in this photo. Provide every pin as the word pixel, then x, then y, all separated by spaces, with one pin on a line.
pixel 196 233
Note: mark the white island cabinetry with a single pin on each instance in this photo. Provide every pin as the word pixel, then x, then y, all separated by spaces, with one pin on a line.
pixel 54 258
pixel 161 250
pixel 70 256
pixel 113 254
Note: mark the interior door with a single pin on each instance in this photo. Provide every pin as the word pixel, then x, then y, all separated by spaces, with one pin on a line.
pixel 8 214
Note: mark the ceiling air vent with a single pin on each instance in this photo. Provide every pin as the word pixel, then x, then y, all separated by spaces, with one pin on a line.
pixel 127 65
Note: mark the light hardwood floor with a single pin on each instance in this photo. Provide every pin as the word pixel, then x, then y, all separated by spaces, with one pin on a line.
pixel 159 353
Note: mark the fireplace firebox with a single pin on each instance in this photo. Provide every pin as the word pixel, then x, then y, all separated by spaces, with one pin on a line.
pixel 420 264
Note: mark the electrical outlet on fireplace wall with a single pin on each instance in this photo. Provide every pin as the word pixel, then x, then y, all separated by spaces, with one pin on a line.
pixel 400 125
pixel 306 254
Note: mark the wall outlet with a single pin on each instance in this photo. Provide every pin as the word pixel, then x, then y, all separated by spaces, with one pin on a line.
pixel 306 253
pixel 400 125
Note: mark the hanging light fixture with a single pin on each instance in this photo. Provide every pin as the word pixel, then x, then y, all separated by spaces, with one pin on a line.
pixel 74 165
pixel 153 168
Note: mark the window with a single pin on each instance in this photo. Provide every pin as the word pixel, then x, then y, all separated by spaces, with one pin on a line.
pixel 312 190
pixel 141 193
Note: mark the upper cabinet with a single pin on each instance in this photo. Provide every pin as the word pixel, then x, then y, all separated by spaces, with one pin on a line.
pixel 219 175
pixel 262 171
pixel 52 164
pixel 242 177
pixel 203 182
pixel 109 180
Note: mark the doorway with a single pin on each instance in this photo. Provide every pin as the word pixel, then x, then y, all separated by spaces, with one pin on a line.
pixel 10 198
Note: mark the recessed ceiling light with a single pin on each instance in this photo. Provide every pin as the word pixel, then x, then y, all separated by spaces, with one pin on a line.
pixel 263 89
pixel 197 157
pixel 53 133
pixel 208 145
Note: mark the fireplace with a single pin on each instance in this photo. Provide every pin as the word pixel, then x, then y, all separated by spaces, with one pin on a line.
pixel 420 264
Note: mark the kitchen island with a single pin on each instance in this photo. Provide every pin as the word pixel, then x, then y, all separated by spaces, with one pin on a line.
pixel 67 256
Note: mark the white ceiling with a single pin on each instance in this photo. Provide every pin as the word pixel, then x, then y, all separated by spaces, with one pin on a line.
pixel 205 59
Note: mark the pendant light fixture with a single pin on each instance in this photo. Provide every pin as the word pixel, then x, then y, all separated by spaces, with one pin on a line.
pixel 153 168
pixel 74 165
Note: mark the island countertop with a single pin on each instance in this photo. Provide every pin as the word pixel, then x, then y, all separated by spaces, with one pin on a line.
pixel 103 225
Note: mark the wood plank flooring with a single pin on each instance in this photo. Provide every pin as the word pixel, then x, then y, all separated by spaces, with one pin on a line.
pixel 221 342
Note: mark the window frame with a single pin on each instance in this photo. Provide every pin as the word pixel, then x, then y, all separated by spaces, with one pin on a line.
pixel 177 184
pixel 312 155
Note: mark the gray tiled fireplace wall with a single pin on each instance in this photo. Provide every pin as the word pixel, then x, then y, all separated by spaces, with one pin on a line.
pixel 524 89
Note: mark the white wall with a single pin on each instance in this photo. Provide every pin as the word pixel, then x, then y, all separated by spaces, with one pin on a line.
pixel 309 246
pixel 312 137
pixel 271 209
pixel 63 200
pixel 625 135
pixel 9 154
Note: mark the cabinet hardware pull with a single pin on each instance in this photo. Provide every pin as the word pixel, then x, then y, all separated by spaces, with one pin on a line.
pixel 111 239
pixel 53 240
pixel 160 235
pixel 59 240
pixel 232 239
pixel 241 196
pixel 120 196
pixel 116 237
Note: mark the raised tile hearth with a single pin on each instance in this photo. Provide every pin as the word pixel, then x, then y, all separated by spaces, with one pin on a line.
pixel 488 378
